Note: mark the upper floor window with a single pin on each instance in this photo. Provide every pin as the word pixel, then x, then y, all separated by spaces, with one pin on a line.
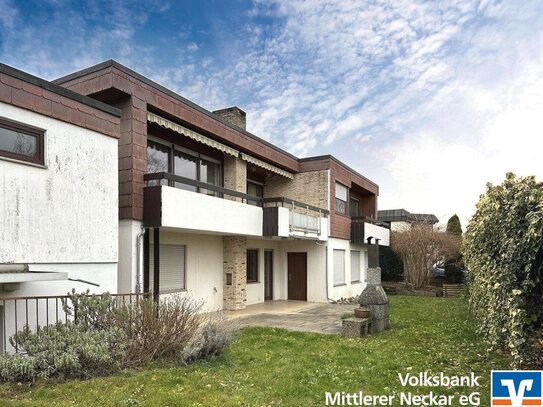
pixel 255 189
pixel 185 163
pixel 21 143
pixel 341 198
pixel 354 208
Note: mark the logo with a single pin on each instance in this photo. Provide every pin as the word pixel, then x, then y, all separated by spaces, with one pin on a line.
pixel 517 388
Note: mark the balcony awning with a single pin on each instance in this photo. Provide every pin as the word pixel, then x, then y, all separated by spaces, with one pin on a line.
pixel 168 124
pixel 266 166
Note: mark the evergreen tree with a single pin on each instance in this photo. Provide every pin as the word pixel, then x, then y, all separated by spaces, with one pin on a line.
pixel 454 265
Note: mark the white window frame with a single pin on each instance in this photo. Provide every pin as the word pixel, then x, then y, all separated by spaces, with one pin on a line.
pixel 338 280
pixel 341 197
pixel 357 254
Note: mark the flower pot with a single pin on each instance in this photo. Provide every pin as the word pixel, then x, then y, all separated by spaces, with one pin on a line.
pixel 361 312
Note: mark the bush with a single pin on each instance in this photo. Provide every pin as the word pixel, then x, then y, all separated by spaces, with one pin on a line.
pixel 454 264
pixel 210 341
pixel 156 331
pixel 420 247
pixel 391 264
pixel 62 350
pixel 503 251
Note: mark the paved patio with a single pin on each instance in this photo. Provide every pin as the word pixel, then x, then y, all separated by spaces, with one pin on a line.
pixel 293 315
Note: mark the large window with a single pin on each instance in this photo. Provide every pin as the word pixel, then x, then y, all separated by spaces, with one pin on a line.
pixel 185 163
pixel 252 265
pixel 339 267
pixel 355 266
pixel 341 198
pixel 354 208
pixel 21 143
pixel 172 276
pixel 255 189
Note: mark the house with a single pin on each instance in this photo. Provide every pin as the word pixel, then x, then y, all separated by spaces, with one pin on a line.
pixel 141 190
pixel 58 193
pixel 400 219
pixel 208 208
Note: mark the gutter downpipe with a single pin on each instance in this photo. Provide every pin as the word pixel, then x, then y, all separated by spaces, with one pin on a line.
pixel 139 257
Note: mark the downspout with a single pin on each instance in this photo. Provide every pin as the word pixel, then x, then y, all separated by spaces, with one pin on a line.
pixel 139 257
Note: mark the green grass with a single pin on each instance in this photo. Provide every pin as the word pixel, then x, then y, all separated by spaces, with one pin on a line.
pixel 273 367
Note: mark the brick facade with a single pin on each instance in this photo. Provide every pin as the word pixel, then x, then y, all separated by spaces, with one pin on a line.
pixel 234 115
pixel 234 272
pixel 309 187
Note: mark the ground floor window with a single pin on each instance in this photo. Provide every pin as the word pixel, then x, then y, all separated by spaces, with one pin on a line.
pixel 339 267
pixel 172 275
pixel 355 266
pixel 252 266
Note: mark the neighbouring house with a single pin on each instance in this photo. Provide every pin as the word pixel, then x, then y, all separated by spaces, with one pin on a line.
pixel 58 194
pixel 400 219
pixel 200 205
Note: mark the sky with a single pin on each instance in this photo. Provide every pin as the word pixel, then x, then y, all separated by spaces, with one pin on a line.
pixel 429 99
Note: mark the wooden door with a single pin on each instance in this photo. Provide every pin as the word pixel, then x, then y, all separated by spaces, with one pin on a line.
pixel 297 276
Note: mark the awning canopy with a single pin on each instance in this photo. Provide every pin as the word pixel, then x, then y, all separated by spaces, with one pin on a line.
pixel 266 166
pixel 168 124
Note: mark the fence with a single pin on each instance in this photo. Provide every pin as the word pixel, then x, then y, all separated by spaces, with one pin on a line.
pixel 39 311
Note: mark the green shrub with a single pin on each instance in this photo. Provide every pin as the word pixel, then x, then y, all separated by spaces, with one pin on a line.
pixel 391 264
pixel 210 340
pixel 503 252
pixel 62 350
pixel 454 264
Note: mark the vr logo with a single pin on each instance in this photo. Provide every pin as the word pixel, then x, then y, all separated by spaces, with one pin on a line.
pixel 517 388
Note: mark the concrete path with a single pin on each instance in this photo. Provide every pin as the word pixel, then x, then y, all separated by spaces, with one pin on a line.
pixel 293 315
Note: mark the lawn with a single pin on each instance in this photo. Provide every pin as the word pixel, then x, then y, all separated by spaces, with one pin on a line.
pixel 273 367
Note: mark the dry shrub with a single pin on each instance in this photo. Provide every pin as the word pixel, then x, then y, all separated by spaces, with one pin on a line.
pixel 157 331
pixel 420 247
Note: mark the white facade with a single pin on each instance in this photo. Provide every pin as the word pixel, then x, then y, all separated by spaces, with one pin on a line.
pixel 62 216
pixel 348 288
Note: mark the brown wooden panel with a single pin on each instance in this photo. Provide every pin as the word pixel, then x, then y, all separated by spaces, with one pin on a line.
pixel 271 221
pixel 152 206
pixel 297 276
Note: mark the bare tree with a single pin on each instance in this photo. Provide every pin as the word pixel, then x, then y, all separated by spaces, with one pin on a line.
pixel 420 247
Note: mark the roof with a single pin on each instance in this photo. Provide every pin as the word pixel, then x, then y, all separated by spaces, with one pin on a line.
pixel 59 90
pixel 112 63
pixel 402 215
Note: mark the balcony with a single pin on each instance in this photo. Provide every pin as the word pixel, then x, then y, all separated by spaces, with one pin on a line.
pixel 223 211
pixel 288 218
pixel 218 210
pixel 368 230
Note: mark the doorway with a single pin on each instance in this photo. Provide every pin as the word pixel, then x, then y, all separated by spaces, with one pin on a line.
pixel 268 275
pixel 297 276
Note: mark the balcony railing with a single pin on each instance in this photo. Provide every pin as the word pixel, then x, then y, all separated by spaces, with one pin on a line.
pixel 367 219
pixel 369 230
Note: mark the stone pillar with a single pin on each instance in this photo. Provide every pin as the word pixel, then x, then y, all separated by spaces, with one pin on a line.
pixel 234 272
pixel 375 298
pixel 235 175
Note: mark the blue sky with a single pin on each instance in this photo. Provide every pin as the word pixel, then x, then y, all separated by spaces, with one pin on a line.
pixel 430 99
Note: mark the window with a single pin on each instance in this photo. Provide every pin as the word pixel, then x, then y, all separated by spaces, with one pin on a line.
pixel 21 143
pixel 354 210
pixel 339 267
pixel 255 189
pixel 252 266
pixel 172 268
pixel 185 163
pixel 355 266
pixel 341 198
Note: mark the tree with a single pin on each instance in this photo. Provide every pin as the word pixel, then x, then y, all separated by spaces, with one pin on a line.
pixel 454 264
pixel 419 248
pixel 503 252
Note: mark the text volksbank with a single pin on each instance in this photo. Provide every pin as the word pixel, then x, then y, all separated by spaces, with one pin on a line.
pixel 407 398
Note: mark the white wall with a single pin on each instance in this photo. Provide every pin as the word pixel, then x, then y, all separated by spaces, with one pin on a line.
pixel 128 260
pixel 255 291
pixel 204 266
pixel 349 289
pixel 66 212
pixel 198 212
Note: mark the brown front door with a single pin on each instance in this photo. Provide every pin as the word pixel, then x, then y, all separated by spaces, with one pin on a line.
pixel 297 276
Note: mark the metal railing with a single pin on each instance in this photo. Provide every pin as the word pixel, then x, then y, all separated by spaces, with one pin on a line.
pixel 36 312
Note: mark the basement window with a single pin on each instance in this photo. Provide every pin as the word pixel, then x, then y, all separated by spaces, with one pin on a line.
pixel 22 143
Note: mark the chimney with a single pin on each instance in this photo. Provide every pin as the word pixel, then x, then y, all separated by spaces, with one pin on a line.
pixel 233 115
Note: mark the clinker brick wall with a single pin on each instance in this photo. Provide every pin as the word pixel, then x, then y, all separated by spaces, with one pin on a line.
pixel 308 187
pixel 234 263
